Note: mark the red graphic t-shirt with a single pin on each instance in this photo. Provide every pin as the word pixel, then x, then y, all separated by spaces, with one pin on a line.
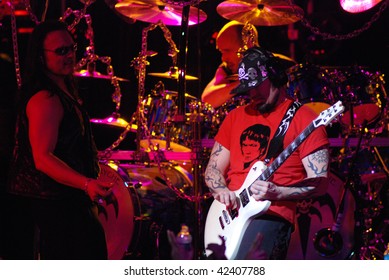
pixel 247 133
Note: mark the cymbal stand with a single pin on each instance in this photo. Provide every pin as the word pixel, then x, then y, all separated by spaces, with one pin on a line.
pixel 196 131
pixel 90 61
pixel 367 208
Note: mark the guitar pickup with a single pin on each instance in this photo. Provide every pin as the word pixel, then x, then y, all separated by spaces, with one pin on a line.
pixel 226 218
pixel 244 197
pixel 221 222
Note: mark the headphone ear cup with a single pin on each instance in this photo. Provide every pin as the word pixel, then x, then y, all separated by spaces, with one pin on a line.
pixel 276 72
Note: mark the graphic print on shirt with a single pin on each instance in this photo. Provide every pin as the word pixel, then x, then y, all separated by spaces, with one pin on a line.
pixel 254 141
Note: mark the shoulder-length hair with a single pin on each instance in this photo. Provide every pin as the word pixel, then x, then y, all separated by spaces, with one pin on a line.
pixel 35 69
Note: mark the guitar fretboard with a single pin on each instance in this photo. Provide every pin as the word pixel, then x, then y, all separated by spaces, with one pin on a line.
pixel 286 153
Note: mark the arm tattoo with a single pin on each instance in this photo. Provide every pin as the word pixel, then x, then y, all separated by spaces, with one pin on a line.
pixel 307 192
pixel 316 159
pixel 213 178
pixel 309 187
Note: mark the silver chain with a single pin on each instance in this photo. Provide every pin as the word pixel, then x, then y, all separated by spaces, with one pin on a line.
pixel 15 45
pixel 28 8
pixel 329 36
pixel 248 38
pixel 139 63
pixel 182 3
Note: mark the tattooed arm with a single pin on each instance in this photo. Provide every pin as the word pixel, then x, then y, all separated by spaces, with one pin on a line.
pixel 214 175
pixel 316 183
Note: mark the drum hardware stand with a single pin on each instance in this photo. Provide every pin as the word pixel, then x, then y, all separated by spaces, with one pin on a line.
pixel 196 158
pixel 90 61
pixel 139 63
pixel 196 130
pixel 368 208
pixel 155 230
pixel 328 241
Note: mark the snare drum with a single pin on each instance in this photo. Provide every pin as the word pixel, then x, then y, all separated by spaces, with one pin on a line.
pixel 316 214
pixel 142 207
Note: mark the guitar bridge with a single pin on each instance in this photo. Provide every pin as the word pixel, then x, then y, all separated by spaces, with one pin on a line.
pixel 233 212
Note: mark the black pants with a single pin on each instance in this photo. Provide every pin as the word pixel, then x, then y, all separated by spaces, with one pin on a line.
pixel 69 229
pixel 16 228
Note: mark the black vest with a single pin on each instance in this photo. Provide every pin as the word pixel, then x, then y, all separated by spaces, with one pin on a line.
pixel 75 146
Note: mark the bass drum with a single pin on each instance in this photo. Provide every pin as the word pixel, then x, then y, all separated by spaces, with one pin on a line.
pixel 141 208
pixel 316 214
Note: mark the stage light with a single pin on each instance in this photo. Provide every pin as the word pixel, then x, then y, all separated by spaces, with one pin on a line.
pixel 358 6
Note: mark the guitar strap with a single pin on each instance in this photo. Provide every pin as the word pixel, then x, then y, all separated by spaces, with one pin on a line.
pixel 275 146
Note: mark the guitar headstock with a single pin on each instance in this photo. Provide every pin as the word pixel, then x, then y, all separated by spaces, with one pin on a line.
pixel 329 114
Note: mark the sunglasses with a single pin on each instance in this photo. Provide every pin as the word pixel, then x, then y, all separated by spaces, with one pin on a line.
pixel 64 50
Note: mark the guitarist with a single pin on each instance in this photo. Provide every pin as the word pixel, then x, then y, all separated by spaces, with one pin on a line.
pixel 303 175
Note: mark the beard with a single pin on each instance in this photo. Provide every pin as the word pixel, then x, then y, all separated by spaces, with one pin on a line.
pixel 267 107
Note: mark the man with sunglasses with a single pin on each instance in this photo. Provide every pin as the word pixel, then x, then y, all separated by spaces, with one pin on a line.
pixel 55 162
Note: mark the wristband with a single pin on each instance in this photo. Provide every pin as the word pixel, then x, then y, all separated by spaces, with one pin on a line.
pixel 86 185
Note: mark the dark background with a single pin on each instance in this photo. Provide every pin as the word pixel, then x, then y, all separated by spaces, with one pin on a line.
pixel 120 38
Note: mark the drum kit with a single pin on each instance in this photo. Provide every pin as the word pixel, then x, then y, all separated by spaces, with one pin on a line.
pixel 155 184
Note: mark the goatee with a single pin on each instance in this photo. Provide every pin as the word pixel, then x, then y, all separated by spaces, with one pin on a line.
pixel 265 108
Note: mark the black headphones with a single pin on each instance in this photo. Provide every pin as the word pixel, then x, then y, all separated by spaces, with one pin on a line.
pixel 276 71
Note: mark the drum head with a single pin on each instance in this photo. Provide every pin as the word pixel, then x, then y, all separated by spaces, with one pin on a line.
pixel 116 214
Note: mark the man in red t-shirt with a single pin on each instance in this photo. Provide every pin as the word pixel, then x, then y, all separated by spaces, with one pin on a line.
pixel 244 139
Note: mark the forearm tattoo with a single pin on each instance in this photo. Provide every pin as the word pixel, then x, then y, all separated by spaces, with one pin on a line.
pixel 318 163
pixel 213 177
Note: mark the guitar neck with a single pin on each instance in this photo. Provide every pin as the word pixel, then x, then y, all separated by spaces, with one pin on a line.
pixel 269 171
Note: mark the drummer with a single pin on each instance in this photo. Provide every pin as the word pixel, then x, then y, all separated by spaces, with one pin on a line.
pixel 229 42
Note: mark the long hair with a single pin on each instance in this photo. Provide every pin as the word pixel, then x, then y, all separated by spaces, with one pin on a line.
pixel 35 69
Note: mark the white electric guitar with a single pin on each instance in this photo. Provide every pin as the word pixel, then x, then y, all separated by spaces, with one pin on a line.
pixel 231 224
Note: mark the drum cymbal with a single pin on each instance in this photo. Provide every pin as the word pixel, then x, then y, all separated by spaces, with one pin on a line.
pixel 154 11
pixel 286 61
pixel 162 145
pixel 175 94
pixel 96 75
pixel 260 12
pixel 112 121
pixel 173 76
